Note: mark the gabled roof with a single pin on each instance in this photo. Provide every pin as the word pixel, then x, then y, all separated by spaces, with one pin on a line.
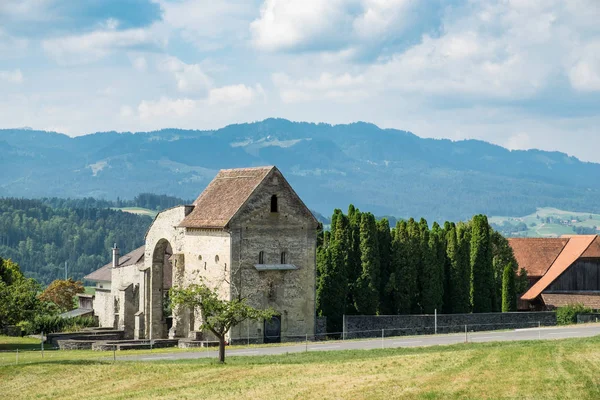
pixel 103 274
pixel 224 196
pixel 536 255
pixel 575 248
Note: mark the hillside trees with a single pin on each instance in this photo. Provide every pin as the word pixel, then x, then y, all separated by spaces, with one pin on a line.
pixel 42 238
pixel 457 268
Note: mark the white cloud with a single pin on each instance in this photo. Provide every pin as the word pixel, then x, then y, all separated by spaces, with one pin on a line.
pixel 342 88
pixel 585 73
pixel 15 76
pixel 317 25
pixel 139 63
pixel 502 50
pixel 190 78
pixel 240 95
pixel 209 24
pixel 166 107
pixel 90 47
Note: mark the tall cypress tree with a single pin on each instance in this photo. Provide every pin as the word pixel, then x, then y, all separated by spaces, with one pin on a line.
pixel 449 230
pixel 404 282
pixel 509 293
pixel 414 255
pixel 384 241
pixel 461 275
pixel 432 265
pixel 354 263
pixel 424 270
pixel 334 288
pixel 482 273
pixel 366 297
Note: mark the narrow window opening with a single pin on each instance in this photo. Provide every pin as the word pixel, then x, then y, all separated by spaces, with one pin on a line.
pixel 274 204
pixel 261 257
pixel 283 257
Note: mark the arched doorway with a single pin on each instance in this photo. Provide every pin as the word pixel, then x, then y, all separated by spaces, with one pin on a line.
pixel 161 280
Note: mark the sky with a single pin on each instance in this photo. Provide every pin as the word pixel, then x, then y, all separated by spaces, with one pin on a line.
pixel 518 73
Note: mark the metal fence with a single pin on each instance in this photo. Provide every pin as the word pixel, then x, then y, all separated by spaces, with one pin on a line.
pixel 285 344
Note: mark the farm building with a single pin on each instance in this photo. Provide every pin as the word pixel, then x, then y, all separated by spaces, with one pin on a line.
pixel 561 271
pixel 248 235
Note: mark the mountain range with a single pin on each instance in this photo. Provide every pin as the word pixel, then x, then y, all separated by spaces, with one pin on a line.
pixel 385 171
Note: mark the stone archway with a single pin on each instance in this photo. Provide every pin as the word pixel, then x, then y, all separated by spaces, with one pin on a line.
pixel 161 280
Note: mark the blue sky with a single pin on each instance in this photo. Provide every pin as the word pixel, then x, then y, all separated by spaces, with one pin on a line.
pixel 519 73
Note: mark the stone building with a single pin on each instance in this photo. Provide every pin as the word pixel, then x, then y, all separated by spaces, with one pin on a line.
pixel 248 235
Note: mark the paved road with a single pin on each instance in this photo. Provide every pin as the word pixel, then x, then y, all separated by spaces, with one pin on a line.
pixel 574 331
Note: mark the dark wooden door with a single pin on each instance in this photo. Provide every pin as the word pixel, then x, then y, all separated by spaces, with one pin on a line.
pixel 273 330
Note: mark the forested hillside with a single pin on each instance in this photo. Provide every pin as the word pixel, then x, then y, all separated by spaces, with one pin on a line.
pixel 386 171
pixel 41 238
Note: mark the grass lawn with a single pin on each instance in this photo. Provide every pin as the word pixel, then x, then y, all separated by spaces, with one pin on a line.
pixel 532 370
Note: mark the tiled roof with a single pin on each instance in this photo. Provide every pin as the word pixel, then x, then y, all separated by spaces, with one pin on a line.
pixel 536 255
pixel 103 274
pixel 591 300
pixel 224 196
pixel 574 249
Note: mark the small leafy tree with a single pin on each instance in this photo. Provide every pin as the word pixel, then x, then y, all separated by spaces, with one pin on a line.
pixel 62 293
pixel 218 315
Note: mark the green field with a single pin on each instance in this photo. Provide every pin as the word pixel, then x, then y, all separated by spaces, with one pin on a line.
pixel 562 223
pixel 138 210
pixel 565 369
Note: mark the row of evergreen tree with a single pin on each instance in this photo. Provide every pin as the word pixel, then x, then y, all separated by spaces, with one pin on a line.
pixel 364 267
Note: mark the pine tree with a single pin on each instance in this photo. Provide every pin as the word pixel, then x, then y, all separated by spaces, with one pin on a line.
pixel 332 280
pixel 432 264
pixel 414 254
pixel 354 262
pixel 403 284
pixel 384 240
pixel 509 294
pixel 424 269
pixel 482 273
pixel 447 304
pixel 367 294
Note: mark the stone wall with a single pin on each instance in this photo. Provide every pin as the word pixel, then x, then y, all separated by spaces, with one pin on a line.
pixel 104 308
pixel 291 293
pixel 362 326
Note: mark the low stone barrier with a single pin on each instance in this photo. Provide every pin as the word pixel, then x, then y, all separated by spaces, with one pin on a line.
pixel 53 338
pixel 364 326
pixel 68 344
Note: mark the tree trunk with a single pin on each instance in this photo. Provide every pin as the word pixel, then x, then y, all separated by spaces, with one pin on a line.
pixel 222 349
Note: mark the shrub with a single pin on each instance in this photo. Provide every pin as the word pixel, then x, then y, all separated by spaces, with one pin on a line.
pixel 54 323
pixel 567 315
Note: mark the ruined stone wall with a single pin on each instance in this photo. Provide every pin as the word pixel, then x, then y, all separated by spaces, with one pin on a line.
pixel 291 230
pixel 164 230
pixel 104 308
pixel 207 254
